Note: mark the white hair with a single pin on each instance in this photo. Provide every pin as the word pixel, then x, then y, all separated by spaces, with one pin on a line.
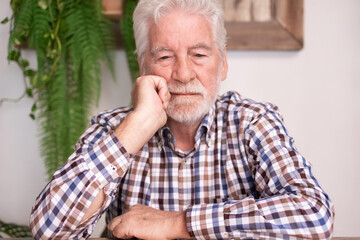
pixel 148 11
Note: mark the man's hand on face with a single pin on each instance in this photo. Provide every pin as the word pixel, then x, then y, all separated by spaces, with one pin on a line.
pixel 148 223
pixel 150 96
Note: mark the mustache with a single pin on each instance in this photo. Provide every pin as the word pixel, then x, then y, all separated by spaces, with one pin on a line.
pixel 190 87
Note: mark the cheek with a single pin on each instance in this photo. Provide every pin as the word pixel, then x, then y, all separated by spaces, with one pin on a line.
pixel 210 79
pixel 164 72
pixel 208 76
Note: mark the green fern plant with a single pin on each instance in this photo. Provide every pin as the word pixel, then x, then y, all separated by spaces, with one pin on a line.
pixel 71 38
pixel 127 33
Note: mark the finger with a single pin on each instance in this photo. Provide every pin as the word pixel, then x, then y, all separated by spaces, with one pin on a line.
pixel 162 90
pixel 119 232
pixel 123 231
pixel 114 222
pixel 166 99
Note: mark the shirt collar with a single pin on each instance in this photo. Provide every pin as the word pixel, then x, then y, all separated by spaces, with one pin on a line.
pixel 207 125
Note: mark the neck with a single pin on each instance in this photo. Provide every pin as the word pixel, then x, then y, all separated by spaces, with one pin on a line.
pixel 183 133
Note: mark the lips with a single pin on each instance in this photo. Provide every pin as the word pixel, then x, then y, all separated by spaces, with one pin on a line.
pixel 184 93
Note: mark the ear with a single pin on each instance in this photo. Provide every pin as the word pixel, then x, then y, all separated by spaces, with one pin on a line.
pixel 225 66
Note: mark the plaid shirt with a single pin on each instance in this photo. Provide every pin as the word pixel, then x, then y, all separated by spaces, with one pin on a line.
pixel 243 179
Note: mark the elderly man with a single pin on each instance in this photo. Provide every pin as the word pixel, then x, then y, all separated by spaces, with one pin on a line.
pixel 183 162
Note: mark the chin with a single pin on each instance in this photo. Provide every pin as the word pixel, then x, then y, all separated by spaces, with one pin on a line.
pixel 189 113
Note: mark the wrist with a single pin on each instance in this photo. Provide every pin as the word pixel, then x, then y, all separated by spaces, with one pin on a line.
pixel 136 130
pixel 178 222
pixel 148 119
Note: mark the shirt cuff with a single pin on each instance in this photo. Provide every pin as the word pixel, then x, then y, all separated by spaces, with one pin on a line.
pixel 108 160
pixel 206 221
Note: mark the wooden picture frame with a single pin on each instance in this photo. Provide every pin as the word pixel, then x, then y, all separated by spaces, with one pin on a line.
pixel 282 30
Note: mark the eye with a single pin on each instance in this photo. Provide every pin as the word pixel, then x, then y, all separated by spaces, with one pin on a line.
pixel 164 57
pixel 164 60
pixel 198 55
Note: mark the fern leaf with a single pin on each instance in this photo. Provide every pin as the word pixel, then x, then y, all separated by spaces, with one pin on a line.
pixel 126 29
pixel 22 24
pixel 71 38
pixel 56 145
pixel 40 37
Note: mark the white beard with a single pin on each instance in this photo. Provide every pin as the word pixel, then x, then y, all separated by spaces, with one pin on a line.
pixel 189 110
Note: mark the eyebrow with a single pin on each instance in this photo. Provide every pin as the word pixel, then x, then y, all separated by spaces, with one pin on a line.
pixel 201 45
pixel 158 49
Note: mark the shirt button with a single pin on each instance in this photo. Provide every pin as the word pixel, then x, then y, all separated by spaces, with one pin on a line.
pixel 113 168
pixel 169 136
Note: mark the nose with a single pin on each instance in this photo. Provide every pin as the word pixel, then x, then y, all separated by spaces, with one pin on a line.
pixel 183 70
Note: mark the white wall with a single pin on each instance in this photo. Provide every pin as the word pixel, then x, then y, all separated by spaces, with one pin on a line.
pixel 317 90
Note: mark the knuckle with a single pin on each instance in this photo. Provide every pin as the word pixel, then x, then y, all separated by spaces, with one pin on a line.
pixel 139 79
pixel 116 232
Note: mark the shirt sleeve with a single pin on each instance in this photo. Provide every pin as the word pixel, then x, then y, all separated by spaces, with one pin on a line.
pixel 99 162
pixel 289 204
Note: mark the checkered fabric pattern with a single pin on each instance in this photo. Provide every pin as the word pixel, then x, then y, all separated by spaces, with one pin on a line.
pixel 244 179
